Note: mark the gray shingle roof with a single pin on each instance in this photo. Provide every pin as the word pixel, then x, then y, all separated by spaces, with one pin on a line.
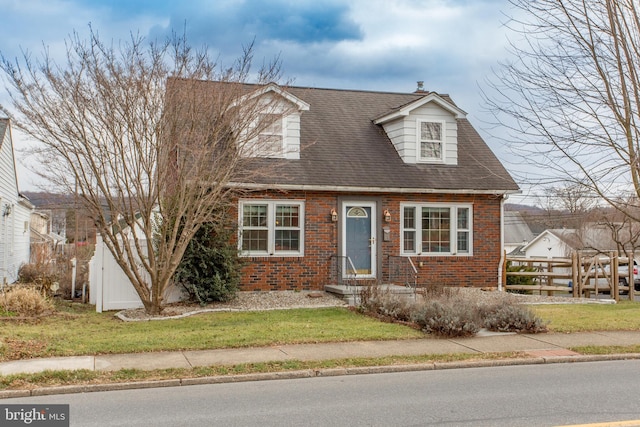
pixel 516 229
pixel 342 148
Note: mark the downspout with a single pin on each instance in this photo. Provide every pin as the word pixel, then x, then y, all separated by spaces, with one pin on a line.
pixel 502 254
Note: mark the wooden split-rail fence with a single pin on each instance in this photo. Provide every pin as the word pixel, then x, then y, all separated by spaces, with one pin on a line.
pixel 580 275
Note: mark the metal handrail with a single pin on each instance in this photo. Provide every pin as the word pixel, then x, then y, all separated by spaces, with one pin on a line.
pixel 345 262
pixel 403 270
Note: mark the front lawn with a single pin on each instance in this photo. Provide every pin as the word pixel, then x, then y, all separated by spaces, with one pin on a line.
pixel 624 316
pixel 79 330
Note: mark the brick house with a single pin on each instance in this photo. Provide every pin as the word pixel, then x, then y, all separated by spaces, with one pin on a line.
pixel 368 181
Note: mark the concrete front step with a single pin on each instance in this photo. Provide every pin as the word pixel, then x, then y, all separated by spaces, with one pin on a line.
pixel 352 294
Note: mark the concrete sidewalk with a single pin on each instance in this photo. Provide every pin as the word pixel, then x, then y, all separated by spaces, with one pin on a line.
pixel 538 345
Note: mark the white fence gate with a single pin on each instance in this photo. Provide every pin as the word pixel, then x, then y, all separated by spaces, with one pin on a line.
pixel 109 287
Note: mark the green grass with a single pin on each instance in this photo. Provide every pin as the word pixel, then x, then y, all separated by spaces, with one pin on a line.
pixel 81 377
pixel 624 316
pixel 85 332
pixel 78 330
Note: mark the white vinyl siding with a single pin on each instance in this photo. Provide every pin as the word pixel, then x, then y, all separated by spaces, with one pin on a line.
pixel 404 134
pixel 292 136
pixel 14 241
pixel 280 137
pixel 271 228
pixel 436 229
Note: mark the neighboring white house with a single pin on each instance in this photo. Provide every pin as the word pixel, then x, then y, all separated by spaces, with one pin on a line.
pixel 560 243
pixel 44 243
pixel 551 243
pixel 517 233
pixel 15 212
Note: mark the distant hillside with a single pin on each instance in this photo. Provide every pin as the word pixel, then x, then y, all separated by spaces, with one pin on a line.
pixel 531 210
pixel 49 200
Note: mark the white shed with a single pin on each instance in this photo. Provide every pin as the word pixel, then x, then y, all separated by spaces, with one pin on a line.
pixel 551 243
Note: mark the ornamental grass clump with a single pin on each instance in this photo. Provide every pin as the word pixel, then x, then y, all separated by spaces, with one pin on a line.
pixel 513 318
pixel 374 299
pixel 451 312
pixel 25 301
pixel 442 318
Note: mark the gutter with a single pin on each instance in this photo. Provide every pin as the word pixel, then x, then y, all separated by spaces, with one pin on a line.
pixel 354 189
pixel 502 252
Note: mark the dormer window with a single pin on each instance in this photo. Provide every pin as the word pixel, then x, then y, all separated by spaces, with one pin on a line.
pixel 271 139
pixel 424 131
pixel 431 140
pixel 276 131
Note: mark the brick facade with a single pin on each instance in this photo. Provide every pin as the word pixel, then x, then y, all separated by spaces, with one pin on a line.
pixel 314 270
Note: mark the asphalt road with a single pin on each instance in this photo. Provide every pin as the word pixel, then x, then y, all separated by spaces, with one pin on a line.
pixel 534 395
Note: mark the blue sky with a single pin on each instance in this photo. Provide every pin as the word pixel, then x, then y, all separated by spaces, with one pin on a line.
pixel 385 45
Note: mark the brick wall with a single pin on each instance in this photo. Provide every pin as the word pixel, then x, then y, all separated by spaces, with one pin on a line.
pixel 314 270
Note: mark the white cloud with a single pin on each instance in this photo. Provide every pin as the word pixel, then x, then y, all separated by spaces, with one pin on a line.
pixel 382 45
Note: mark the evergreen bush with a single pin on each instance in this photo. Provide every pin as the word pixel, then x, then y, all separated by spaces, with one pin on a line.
pixel 520 280
pixel 210 268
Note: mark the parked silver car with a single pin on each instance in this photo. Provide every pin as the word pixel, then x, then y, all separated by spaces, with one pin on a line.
pixel 602 280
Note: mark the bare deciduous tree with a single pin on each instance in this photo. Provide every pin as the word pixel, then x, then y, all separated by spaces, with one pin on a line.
pixel 570 95
pixel 148 151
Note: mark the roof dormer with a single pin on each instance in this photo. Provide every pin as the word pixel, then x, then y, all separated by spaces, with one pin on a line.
pixel 425 130
pixel 278 121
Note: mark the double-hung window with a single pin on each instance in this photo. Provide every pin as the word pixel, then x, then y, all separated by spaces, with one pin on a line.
pixel 431 140
pixel 271 228
pixel 271 138
pixel 436 229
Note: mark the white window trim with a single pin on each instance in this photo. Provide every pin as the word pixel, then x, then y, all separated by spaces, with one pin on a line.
pixel 453 207
pixel 263 151
pixel 255 149
pixel 443 151
pixel 271 242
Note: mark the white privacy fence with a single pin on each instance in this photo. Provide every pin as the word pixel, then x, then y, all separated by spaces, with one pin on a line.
pixel 109 287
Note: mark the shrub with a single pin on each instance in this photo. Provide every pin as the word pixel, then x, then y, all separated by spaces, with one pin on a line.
pixel 520 280
pixel 25 301
pixel 445 319
pixel 450 312
pixel 52 277
pixel 397 307
pixel 209 270
pixel 513 318
pixel 380 300
pixel 28 273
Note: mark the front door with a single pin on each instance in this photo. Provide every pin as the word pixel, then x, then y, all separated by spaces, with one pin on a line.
pixel 359 238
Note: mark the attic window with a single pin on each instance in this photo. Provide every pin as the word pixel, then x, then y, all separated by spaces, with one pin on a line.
pixel 270 140
pixel 431 139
